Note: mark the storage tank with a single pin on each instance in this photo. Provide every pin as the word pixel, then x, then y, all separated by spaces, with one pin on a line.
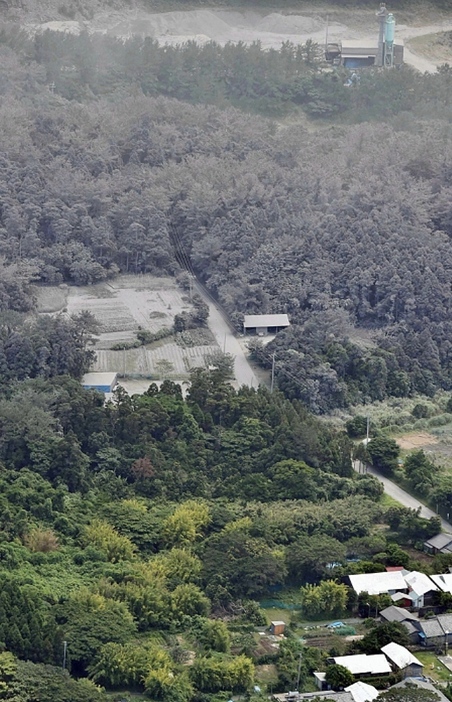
pixel 390 29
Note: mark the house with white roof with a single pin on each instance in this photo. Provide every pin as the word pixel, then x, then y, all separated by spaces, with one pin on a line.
pixel 362 664
pixel 443 582
pixel 379 583
pixel 362 692
pixel 402 659
pixel 420 588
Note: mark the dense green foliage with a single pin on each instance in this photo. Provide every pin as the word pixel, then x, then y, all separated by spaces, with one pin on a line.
pixel 143 515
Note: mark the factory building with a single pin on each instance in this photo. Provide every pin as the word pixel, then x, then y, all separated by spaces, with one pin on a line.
pixel 384 52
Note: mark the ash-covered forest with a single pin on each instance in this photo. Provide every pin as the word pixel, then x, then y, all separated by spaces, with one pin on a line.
pixel 113 161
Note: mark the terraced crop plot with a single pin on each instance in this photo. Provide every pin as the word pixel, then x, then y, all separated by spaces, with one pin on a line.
pixel 122 307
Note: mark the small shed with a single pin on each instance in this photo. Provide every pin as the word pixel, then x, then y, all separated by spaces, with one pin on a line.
pixel 441 543
pixel 277 627
pixel 103 382
pixel 262 324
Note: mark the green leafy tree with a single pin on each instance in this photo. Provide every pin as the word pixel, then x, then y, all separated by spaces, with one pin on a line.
pixel 384 452
pixel 328 598
pixel 383 634
pixel 89 621
pixel 102 535
pixel 420 471
pixel 308 557
pixel 214 635
pixel 409 692
pixel 338 677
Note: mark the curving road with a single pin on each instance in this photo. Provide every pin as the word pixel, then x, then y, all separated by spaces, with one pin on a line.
pixel 405 499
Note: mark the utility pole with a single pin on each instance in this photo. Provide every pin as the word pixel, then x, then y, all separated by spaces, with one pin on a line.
pixel 64 654
pixel 273 374
pixel 367 430
pixel 299 672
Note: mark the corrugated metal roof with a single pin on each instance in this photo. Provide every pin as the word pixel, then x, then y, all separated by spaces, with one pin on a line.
pixel 439 541
pixel 396 614
pixel 362 692
pixel 444 581
pixel 377 583
pixel 445 621
pixel 361 664
pixel 431 628
pixel 99 378
pixel 265 320
pixel 400 655
pixel 419 583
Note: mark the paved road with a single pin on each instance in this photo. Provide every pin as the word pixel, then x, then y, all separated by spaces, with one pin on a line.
pixel 405 499
pixel 244 374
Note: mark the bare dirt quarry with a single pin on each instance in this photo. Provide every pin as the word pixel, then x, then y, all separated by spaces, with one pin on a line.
pixel 271 28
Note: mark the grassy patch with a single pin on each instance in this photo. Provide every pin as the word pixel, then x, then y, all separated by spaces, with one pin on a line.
pixel 266 674
pixel 388 501
pixel 273 614
pixel 433 668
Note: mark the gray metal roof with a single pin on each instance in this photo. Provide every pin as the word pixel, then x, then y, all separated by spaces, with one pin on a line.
pixel 265 320
pixel 439 541
pixel 446 622
pixel 410 627
pixel 431 628
pixel 396 614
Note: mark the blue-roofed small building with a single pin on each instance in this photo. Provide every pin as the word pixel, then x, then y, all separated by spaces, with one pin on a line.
pixel 102 382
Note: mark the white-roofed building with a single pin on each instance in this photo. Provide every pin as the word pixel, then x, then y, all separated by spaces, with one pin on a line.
pixel 420 588
pixel 443 582
pixel 362 664
pixel 402 659
pixel 262 324
pixel 103 382
pixel 362 692
pixel 379 583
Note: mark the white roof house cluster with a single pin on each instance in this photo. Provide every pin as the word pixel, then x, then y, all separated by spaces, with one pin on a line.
pixel 412 586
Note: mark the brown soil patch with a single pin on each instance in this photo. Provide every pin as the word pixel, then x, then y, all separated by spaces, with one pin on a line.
pixel 416 440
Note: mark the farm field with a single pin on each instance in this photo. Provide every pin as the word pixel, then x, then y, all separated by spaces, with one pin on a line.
pixel 122 307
